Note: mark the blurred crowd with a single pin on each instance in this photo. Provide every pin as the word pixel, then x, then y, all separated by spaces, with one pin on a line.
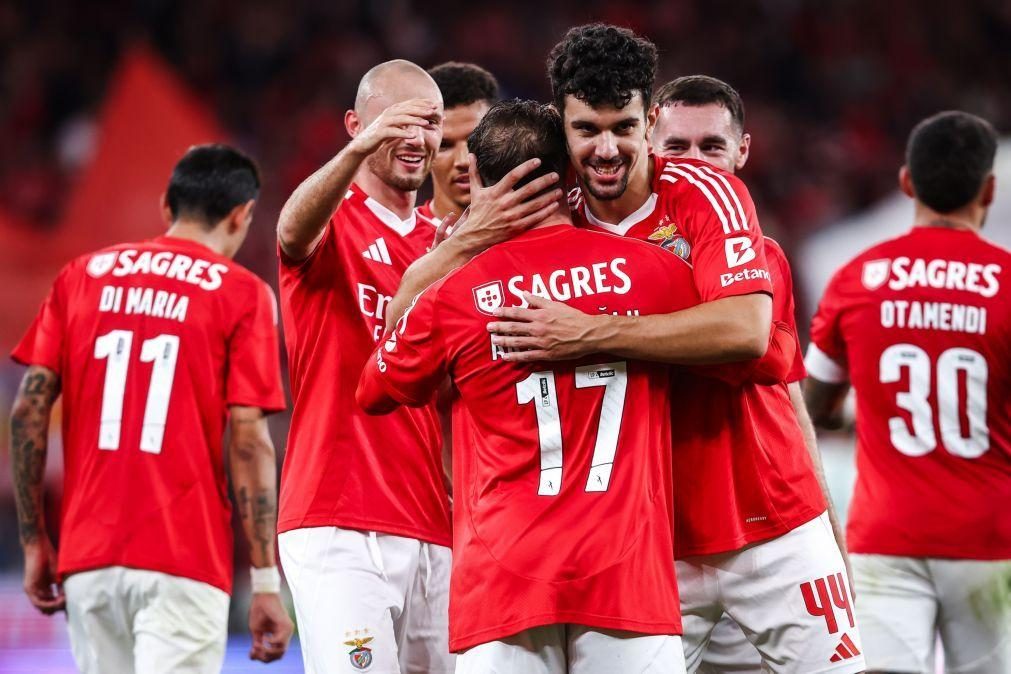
pixel 831 86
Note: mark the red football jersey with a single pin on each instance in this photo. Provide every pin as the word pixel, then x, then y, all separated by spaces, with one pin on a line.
pixel 562 470
pixel 921 326
pixel 342 467
pixel 783 307
pixel 424 212
pixel 153 341
pixel 745 439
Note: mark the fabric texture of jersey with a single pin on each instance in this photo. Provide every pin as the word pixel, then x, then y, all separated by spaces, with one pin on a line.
pixel 783 307
pixel 562 508
pixel 921 326
pixel 746 439
pixel 342 467
pixel 153 341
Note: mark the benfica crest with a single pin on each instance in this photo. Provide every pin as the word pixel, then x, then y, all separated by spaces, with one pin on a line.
pixel 875 273
pixel 489 297
pixel 360 654
pixel 670 240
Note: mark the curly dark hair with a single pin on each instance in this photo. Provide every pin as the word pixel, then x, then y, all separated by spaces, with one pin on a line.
pixel 464 83
pixel 602 64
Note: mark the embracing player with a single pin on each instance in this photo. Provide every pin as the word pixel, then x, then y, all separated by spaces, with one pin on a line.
pixel 920 326
pixel 701 117
pixel 364 514
pixel 155 346
pixel 468 91
pixel 562 525
pixel 758 528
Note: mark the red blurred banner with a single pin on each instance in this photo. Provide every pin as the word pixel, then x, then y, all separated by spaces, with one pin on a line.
pixel 147 121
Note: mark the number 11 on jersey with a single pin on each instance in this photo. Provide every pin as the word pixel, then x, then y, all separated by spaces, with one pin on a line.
pixel 539 388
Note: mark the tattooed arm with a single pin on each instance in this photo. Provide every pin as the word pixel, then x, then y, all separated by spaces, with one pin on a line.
pixel 253 468
pixel 29 434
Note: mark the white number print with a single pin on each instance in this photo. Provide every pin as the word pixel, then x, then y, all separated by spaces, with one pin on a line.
pixel 163 352
pixel 539 388
pixel 922 440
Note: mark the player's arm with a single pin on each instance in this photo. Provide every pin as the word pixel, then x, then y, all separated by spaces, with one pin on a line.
pixel 725 330
pixel 825 402
pixel 496 213
pixel 304 217
pixel 29 444
pixel 811 442
pixel 253 470
pixel 772 368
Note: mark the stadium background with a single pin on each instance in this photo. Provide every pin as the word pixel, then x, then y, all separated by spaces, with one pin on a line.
pixel 98 100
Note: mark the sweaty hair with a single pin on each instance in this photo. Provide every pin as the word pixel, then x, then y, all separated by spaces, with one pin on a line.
pixel 699 90
pixel 513 132
pixel 464 83
pixel 949 157
pixel 602 65
pixel 209 181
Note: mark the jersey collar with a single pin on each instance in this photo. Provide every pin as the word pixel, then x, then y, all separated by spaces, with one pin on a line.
pixel 630 221
pixel 391 219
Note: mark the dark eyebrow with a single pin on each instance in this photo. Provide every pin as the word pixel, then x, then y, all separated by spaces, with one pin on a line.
pixel 717 140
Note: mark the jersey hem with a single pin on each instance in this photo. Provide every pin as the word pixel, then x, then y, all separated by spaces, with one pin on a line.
pixel 81 567
pixel 478 637
pixel 758 536
pixel 426 535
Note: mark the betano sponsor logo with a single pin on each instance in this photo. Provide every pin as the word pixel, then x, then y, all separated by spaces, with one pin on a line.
pixel 744 275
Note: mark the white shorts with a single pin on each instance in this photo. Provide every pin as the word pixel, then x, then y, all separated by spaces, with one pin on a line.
pixel 904 603
pixel 790 595
pixel 575 649
pixel 368 602
pixel 730 651
pixel 131 620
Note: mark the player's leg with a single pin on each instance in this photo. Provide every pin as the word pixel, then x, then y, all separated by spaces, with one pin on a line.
pixel 975 614
pixel 179 625
pixel 344 601
pixel 791 597
pixel 599 651
pixel 539 650
pixel 423 628
pixel 100 636
pixel 897 610
pixel 729 651
pixel 700 607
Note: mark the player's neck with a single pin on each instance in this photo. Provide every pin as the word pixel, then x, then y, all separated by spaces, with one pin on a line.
pixel 443 206
pixel 637 192
pixel 398 201
pixel 195 231
pixel 969 218
pixel 561 216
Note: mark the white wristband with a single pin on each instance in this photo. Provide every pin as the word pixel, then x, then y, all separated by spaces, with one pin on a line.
pixel 266 579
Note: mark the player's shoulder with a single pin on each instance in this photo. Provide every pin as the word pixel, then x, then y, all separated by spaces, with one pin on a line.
pixel 695 177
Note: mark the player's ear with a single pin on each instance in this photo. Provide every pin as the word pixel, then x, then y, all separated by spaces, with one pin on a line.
pixel 988 191
pixel 353 123
pixel 651 117
pixel 743 151
pixel 166 211
pixel 906 182
pixel 241 217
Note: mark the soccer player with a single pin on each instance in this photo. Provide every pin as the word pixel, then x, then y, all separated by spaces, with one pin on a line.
pixel 920 325
pixel 562 525
pixel 468 91
pixel 701 117
pixel 364 514
pixel 155 346
pixel 759 545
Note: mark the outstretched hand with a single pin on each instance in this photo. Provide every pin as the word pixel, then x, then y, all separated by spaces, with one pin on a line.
pixel 544 330
pixel 395 123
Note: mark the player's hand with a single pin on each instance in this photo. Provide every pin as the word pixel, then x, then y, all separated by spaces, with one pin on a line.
pixel 499 212
pixel 545 330
pixel 270 627
pixel 444 230
pixel 394 124
pixel 41 581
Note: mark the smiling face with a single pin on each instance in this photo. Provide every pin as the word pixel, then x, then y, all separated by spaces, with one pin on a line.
pixel 705 132
pixel 450 176
pixel 607 144
pixel 404 164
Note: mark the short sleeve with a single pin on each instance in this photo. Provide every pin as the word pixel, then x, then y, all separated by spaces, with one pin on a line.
pixel 324 248
pixel 254 365
pixel 826 355
pixel 412 362
pixel 43 343
pixel 783 307
pixel 716 215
